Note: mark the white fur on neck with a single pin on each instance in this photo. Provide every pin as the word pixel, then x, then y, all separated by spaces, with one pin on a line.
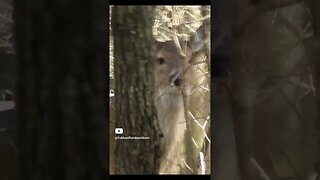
pixel 170 111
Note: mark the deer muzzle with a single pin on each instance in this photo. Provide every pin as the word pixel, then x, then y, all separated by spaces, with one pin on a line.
pixel 176 79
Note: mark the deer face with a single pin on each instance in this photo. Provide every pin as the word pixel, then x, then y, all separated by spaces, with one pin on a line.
pixel 169 65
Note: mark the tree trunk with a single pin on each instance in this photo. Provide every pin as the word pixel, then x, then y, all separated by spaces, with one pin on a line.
pixel 225 159
pixel 134 89
pixel 61 102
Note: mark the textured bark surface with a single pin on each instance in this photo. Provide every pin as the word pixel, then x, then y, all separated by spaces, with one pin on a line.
pixel 61 89
pixel 131 26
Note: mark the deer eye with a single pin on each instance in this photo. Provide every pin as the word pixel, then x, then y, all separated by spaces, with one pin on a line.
pixel 161 61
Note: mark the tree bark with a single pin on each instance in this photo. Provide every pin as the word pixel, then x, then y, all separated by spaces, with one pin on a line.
pixel 61 89
pixel 134 90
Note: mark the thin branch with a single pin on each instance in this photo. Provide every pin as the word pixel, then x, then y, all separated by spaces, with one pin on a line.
pixel 202 163
pixel 262 172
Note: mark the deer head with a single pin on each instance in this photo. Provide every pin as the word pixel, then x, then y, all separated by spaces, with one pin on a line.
pixel 172 59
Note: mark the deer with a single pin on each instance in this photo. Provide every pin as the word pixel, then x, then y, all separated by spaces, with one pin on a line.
pixel 178 71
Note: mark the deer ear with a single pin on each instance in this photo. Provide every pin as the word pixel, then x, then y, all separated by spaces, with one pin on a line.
pixel 200 38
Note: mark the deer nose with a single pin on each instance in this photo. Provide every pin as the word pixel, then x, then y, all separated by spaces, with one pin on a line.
pixel 178 82
pixel 175 79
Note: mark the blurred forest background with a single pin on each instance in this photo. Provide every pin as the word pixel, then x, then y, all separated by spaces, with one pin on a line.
pixel 53 83
pixel 266 89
